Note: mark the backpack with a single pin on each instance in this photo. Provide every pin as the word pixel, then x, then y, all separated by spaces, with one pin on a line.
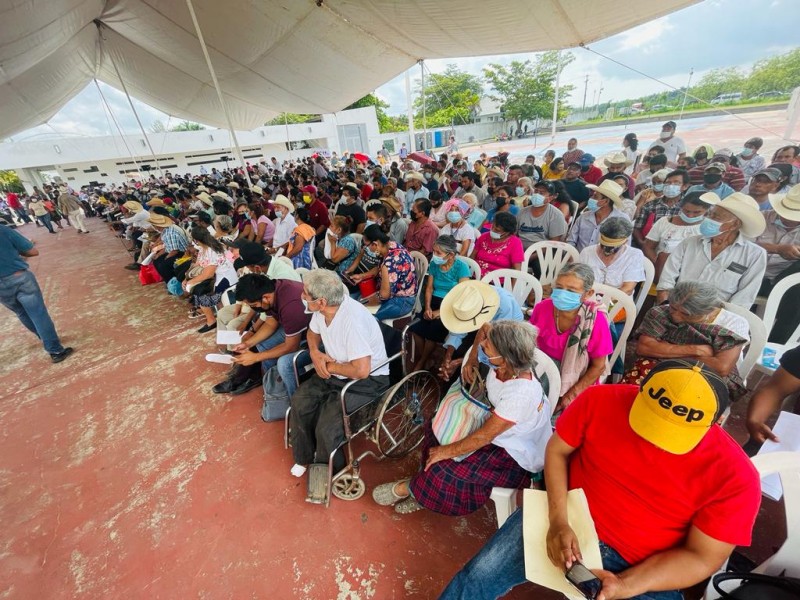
pixel 276 399
pixel 758 587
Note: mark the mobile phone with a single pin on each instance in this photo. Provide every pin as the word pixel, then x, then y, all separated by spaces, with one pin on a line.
pixel 582 578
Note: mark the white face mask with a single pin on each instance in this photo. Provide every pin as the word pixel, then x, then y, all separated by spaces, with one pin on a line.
pixel 665 135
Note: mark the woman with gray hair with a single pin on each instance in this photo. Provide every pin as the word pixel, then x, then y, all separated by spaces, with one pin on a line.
pixel 573 331
pixel 613 261
pixel 457 478
pixel 695 326
pixel 224 229
pixel 445 271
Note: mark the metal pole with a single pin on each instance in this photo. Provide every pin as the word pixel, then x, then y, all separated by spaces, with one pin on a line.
pixel 555 100
pixel 288 142
pixel 410 114
pixel 424 118
pixel 585 87
pixel 119 129
pixel 219 91
pixel 686 92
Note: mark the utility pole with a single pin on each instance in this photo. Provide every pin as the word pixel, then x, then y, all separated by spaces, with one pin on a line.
pixel 413 144
pixel 424 117
pixel 686 92
pixel 585 87
pixel 555 99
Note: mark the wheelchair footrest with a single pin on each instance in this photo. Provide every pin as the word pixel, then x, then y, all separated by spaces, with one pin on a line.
pixel 317 484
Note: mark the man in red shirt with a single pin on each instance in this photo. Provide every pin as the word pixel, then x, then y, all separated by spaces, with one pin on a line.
pixel 15 205
pixel 671 494
pixel 317 211
pixel 589 171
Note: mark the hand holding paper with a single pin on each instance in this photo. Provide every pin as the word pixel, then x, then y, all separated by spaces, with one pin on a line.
pixel 223 359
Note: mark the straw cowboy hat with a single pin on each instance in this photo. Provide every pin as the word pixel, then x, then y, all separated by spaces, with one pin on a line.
pixel 744 208
pixel 220 195
pixel 392 203
pixel 610 189
pixel 173 186
pixel 159 220
pixel 282 200
pixel 233 185
pixel 468 306
pixel 133 206
pixel 415 175
pixel 205 198
pixel 618 158
pixel 201 188
pixel 787 205
pixel 155 202
pixel 710 198
pixel 256 190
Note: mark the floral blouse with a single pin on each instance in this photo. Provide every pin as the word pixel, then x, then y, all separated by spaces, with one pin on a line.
pixel 402 275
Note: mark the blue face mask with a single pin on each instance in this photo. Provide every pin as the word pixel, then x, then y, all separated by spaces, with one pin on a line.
pixel 367 223
pixel 537 200
pixel 591 205
pixel 658 187
pixel 483 358
pixel 495 235
pixel 454 217
pixel 437 260
pixel 565 299
pixel 520 190
pixel 710 228
pixel 690 220
pixel 746 152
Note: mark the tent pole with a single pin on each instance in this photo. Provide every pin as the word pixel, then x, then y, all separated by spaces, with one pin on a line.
pixel 122 135
pixel 219 91
pixel 135 114
pixel 410 114
pixel 424 117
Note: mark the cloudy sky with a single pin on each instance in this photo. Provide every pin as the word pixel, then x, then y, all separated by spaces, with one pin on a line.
pixel 713 33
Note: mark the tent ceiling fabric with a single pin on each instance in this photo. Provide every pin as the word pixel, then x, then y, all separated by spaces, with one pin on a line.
pixel 270 56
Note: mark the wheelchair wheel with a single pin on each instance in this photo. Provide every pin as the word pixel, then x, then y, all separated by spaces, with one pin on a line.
pixel 349 488
pixel 406 408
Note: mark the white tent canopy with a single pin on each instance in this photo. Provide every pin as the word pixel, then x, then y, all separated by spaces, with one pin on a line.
pixel 270 56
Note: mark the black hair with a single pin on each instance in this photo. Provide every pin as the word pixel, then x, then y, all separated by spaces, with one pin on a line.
pixel 204 217
pixel 435 196
pixel 659 149
pixel 515 167
pixel 506 221
pixel 424 206
pixel 378 209
pixel 684 175
pixel 694 198
pixel 160 210
pixel 373 233
pixel 253 286
pixel 221 207
pixel 201 235
pixel 562 195
pixel 658 159
pixel 555 162
pixel 633 141
pixel 302 212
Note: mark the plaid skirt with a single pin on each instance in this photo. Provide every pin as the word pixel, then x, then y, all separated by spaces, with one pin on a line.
pixel 457 488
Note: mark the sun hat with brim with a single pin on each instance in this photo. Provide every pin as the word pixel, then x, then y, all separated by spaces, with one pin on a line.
pixel 220 195
pixel 709 198
pixel 205 198
pixel 282 200
pixel 744 208
pixel 609 189
pixel 256 189
pixel 155 202
pixel 133 206
pixel 415 175
pixel 393 204
pixel 201 188
pixel 159 220
pixel 661 174
pixel 678 403
pixel 497 172
pixel 233 185
pixel 154 192
pixel 787 205
pixel 173 186
pixel 468 306
pixel 618 158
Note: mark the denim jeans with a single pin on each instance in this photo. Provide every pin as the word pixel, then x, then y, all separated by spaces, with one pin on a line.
pixel 285 367
pixel 500 566
pixel 20 293
pixel 395 307
pixel 46 221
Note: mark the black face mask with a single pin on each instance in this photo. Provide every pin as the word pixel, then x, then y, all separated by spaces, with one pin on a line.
pixel 501 202
pixel 490 191
pixel 700 156
pixel 712 178
pixel 609 250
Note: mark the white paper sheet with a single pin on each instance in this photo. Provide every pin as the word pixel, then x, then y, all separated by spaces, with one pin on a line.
pixel 223 359
pixel 228 337
pixel 535 524
pixel 149 258
pixel 787 428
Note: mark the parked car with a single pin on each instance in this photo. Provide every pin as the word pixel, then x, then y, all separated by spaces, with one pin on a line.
pixel 772 94
pixel 726 98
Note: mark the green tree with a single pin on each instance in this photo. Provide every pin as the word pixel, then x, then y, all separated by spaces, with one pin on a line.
pixel 718 81
pixel 291 119
pixel 187 126
pixel 526 90
pixel 385 122
pixel 778 73
pixel 10 182
pixel 451 97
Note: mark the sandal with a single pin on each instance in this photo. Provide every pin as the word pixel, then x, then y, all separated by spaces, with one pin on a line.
pixel 407 506
pixel 384 494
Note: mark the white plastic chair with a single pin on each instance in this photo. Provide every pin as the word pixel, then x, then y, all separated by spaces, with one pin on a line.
pixel 474 267
pixel 505 499
pixel 552 257
pixel 518 283
pixel 774 301
pixel 786 561
pixel 649 276
pixel 615 301
pixel 758 339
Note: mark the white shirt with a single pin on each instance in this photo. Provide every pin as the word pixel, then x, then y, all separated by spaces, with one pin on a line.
pixel 672 147
pixel 138 220
pixel 352 334
pixel 668 235
pixel 439 215
pixel 631 155
pixel 777 235
pixel 521 402
pixel 586 230
pixel 736 272
pixel 283 229
pixel 465 232
pixel 628 265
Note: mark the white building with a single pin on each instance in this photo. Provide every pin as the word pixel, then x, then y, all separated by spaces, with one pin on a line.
pixel 107 159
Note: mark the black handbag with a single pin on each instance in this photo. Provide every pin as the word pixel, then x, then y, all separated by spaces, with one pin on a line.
pixel 755 586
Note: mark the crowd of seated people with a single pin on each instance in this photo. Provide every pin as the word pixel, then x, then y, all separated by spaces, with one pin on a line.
pixel 319 252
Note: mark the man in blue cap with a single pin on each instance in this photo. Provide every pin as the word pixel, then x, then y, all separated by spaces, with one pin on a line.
pixel 589 172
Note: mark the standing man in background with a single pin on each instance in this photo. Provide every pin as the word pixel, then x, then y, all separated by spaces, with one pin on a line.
pixel 19 291
pixel 69 205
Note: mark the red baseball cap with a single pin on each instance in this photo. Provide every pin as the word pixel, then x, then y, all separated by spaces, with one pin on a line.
pixel 311 189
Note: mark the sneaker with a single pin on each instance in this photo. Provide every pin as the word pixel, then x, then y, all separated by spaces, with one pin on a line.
pixel 59 356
